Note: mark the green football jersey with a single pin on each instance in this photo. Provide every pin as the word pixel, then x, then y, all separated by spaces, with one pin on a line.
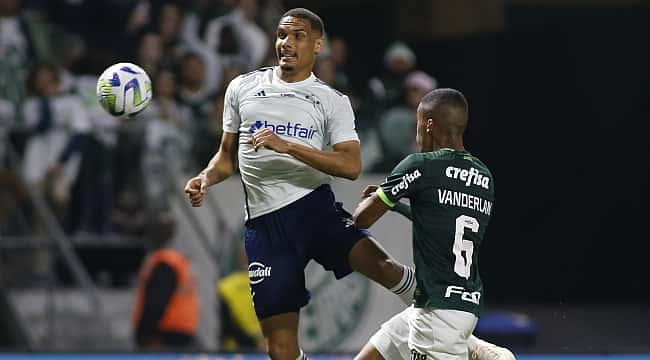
pixel 452 197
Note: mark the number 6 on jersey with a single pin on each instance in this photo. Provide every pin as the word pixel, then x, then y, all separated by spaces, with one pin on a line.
pixel 463 262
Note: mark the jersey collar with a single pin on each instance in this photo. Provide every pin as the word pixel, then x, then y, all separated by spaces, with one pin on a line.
pixel 277 79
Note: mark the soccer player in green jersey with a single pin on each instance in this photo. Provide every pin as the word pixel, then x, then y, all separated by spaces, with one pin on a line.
pixel 451 195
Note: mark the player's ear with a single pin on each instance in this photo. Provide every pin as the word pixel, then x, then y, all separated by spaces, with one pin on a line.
pixel 429 125
pixel 319 45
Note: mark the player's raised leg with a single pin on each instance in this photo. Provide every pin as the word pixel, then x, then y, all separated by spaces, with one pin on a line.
pixel 370 259
pixel 281 335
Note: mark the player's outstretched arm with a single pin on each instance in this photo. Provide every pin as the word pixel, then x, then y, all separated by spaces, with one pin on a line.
pixel 369 211
pixel 343 161
pixel 400 207
pixel 220 167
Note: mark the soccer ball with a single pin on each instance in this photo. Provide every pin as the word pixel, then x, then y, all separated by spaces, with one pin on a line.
pixel 124 90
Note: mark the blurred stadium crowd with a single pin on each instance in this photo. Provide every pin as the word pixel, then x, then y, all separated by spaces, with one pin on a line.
pixel 103 175
pixel 104 178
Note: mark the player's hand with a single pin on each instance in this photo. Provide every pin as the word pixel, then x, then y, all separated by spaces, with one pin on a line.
pixel 195 188
pixel 369 190
pixel 268 139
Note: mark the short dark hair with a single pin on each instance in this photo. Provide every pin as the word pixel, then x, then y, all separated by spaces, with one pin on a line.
pixel 302 13
pixel 446 105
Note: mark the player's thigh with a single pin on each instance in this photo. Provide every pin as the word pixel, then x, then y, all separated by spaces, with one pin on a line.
pixel 334 237
pixel 440 334
pixel 275 268
pixel 391 341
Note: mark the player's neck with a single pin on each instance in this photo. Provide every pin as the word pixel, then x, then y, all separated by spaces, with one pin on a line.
pixel 293 76
pixel 454 144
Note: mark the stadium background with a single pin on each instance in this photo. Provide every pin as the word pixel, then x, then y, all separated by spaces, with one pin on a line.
pixel 559 111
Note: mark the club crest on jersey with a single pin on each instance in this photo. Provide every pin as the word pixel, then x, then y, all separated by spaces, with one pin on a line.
pixel 417 356
pixel 406 180
pixel 287 129
pixel 257 272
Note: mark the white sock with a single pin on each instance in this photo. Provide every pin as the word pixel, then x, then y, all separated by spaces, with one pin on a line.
pixel 406 286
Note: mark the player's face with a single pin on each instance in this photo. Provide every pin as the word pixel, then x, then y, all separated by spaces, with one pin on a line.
pixel 296 44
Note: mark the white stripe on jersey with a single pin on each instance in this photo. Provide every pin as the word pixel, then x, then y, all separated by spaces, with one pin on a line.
pixel 307 112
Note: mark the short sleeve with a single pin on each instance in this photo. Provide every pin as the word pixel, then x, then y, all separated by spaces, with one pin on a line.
pixel 340 125
pixel 231 119
pixel 403 181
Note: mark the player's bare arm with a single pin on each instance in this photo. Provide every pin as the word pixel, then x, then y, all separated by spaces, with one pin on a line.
pixel 221 166
pixel 343 161
pixel 369 211
pixel 400 207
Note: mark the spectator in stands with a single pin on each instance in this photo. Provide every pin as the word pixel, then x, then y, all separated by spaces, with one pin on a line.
pixel 240 330
pixel 242 34
pixel 167 142
pixel 193 94
pixel 169 24
pixel 268 14
pixel 150 52
pixel 128 216
pixel 166 314
pixel 386 89
pixel 7 121
pixel 199 16
pixel 396 126
pixel 23 40
pixel 339 55
pixel 58 126
pixel 70 52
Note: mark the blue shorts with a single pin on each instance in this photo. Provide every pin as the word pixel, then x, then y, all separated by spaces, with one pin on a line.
pixel 280 244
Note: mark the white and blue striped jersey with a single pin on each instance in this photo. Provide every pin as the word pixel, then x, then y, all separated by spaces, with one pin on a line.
pixel 307 112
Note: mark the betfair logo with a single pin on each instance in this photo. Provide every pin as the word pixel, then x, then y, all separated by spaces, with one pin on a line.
pixel 469 177
pixel 288 129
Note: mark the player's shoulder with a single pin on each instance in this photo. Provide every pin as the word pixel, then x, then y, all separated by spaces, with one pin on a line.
pixel 327 88
pixel 252 76
pixel 240 85
pixel 410 162
pixel 430 160
pixel 477 163
pixel 263 71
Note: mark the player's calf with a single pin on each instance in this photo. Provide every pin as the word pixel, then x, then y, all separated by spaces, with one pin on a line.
pixel 281 335
pixel 370 259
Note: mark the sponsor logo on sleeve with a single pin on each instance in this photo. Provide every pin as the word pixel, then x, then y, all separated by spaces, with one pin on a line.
pixel 407 179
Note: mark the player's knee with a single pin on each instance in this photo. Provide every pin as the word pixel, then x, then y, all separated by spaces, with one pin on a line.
pixel 282 349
